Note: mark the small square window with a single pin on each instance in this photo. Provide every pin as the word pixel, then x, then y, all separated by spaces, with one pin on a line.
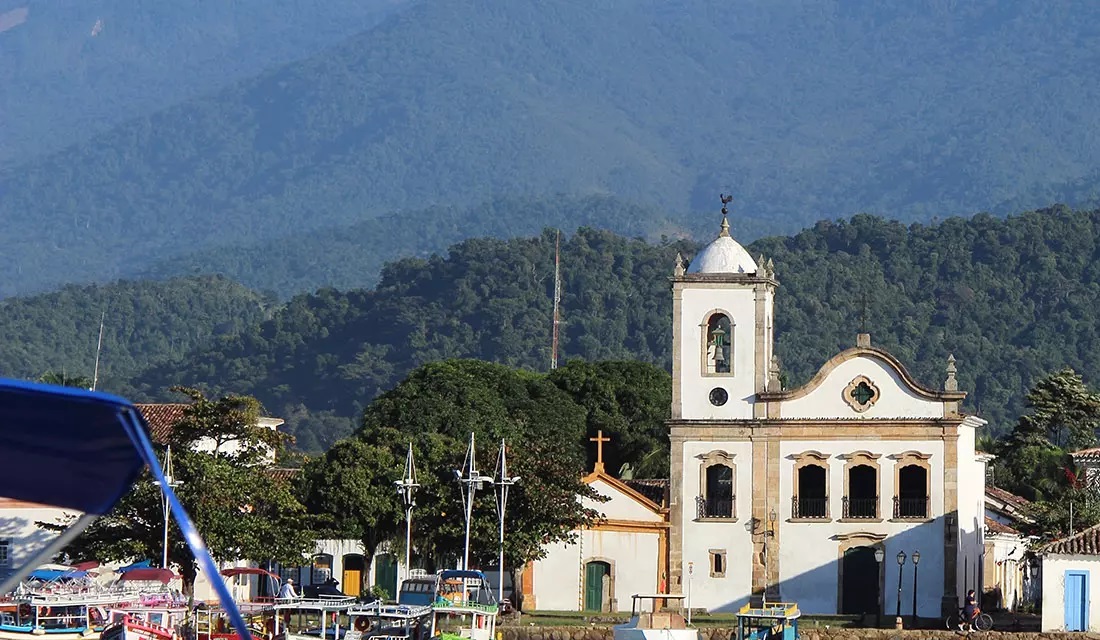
pixel 718 563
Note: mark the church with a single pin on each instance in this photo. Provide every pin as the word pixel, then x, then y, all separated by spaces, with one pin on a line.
pixel 860 492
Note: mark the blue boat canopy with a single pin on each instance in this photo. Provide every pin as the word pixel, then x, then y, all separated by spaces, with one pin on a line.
pixel 49 575
pixel 65 447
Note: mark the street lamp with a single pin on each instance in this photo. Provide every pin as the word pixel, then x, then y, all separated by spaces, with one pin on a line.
pixel 879 556
pixel 503 482
pixel 768 533
pixel 471 480
pixel 173 483
pixel 916 561
pixel 691 571
pixel 901 563
pixel 406 487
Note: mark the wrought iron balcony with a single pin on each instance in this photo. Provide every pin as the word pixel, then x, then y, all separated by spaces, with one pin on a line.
pixel 914 508
pixel 807 508
pixel 860 508
pixel 714 507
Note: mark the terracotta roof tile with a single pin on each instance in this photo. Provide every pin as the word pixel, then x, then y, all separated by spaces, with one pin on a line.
pixel 280 473
pixel 993 526
pixel 1087 454
pixel 1006 497
pixel 1085 543
pixel 655 489
pixel 161 418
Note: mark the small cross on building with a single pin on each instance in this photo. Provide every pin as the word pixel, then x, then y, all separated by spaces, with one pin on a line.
pixel 599 440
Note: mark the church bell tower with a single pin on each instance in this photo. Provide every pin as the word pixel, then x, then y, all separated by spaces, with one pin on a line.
pixel 722 327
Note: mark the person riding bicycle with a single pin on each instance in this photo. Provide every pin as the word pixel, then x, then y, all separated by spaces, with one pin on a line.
pixel 970 611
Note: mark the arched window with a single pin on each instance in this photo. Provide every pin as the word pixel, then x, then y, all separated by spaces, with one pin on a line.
pixel 718 348
pixel 322 568
pixel 719 492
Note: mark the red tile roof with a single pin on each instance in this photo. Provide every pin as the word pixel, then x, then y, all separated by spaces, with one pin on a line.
pixel 1008 498
pixel 280 473
pixel 1085 543
pixel 993 526
pixel 161 418
pixel 655 489
pixel 1087 454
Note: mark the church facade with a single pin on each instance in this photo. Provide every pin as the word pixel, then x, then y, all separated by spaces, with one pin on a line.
pixel 860 492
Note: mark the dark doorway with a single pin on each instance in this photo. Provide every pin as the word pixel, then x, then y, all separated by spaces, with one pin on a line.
pixel 912 492
pixel 859 587
pixel 812 501
pixel 862 498
pixel 719 499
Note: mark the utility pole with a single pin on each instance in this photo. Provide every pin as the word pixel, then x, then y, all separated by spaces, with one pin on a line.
pixel 98 349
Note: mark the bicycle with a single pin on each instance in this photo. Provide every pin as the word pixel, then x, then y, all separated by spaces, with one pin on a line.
pixel 983 621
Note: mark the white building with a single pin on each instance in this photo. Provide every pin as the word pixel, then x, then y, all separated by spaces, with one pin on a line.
pixel 1069 565
pixel 811 494
pixel 625 553
pixel 1010 570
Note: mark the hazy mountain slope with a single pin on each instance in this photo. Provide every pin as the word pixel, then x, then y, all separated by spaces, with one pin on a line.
pixel 145 323
pixel 73 68
pixel 802 110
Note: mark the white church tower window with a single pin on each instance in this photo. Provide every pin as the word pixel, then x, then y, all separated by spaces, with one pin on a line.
pixel 718 356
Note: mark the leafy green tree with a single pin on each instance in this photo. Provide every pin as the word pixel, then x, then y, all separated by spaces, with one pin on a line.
pixel 65 380
pixel 436 408
pixel 628 401
pixel 220 458
pixel 1076 507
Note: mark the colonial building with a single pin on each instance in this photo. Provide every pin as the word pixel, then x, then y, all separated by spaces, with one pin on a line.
pixel 625 553
pixel 844 494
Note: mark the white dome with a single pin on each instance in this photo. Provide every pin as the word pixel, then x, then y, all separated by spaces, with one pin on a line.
pixel 724 255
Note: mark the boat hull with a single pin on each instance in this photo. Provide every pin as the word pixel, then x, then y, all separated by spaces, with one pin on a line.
pixel 635 633
pixel 47 635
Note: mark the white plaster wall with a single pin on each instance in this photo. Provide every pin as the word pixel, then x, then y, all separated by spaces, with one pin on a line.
pixel 895 400
pixel 1008 559
pixel 620 506
pixel 695 305
pixel 1054 584
pixel 971 513
pixel 730 592
pixel 17 526
pixel 634 558
pixel 813 578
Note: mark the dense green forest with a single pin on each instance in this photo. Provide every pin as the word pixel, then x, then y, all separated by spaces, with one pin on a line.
pixel 73 69
pixel 1011 299
pixel 144 323
pixel 804 110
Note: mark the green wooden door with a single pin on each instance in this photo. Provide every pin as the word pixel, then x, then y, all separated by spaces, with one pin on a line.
pixel 385 574
pixel 594 573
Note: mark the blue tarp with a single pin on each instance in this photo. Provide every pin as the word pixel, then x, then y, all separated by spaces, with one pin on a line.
pixel 49 575
pixel 65 447
pixel 144 564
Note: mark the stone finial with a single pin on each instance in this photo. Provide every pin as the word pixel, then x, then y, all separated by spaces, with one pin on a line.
pixel 769 269
pixel 774 383
pixel 863 340
pixel 761 264
pixel 678 269
pixel 951 384
pixel 725 230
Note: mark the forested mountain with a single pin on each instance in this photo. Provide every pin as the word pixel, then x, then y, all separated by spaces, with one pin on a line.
pixel 1011 299
pixel 144 323
pixel 803 110
pixel 352 257
pixel 74 68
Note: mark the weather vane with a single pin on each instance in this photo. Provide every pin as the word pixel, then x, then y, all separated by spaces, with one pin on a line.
pixel 725 200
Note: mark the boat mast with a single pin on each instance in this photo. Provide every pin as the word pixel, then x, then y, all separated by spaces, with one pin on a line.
pixel 472 481
pixel 557 302
pixel 171 482
pixel 503 482
pixel 98 349
pixel 406 486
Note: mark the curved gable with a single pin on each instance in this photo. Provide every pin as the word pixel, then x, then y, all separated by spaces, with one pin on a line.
pixel 867 383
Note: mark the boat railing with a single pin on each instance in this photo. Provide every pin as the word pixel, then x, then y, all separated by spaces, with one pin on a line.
pixel 380 609
pixel 465 606
pixel 321 602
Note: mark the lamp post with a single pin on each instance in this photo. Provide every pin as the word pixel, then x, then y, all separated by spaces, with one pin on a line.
pixel 901 564
pixel 691 571
pixel 769 532
pixel 471 480
pixel 406 487
pixel 916 561
pixel 171 482
pixel 879 556
pixel 503 482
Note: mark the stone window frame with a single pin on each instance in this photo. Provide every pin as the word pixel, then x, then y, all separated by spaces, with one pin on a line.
pixel 805 459
pixel 612 601
pixel 917 459
pixel 863 458
pixel 846 395
pixel 704 330
pixel 719 554
pixel 716 457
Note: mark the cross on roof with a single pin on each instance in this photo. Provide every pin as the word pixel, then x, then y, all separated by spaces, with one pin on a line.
pixel 599 440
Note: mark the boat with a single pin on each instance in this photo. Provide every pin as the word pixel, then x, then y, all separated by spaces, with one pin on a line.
pixel 418 590
pixel 464 597
pixel 380 621
pixel 649 622
pixel 63 616
pixel 772 621
pixel 311 618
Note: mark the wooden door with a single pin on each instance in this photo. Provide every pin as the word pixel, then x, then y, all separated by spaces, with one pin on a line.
pixel 594 574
